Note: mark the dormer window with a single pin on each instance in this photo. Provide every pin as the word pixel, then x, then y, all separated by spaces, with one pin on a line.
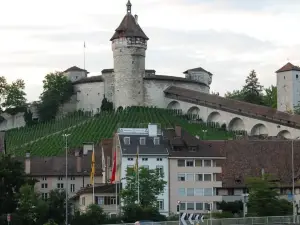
pixel 142 140
pixel 127 140
pixel 156 141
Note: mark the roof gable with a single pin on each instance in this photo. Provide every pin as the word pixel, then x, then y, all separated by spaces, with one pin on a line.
pixel 198 69
pixel 288 67
pixel 75 68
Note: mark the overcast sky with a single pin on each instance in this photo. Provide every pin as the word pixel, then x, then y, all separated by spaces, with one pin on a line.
pixel 226 37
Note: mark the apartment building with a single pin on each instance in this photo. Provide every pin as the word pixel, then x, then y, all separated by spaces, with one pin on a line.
pixel 51 171
pixel 153 154
pixel 194 172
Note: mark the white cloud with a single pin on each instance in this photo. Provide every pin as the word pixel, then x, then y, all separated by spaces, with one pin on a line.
pixel 227 37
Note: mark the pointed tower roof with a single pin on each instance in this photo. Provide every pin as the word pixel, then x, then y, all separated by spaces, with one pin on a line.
pixel 288 67
pixel 129 26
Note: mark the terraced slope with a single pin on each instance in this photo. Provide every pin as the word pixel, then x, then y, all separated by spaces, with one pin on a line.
pixel 47 139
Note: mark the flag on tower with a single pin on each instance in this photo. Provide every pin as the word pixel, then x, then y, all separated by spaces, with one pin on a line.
pixel 114 169
pixel 93 168
pixel 136 166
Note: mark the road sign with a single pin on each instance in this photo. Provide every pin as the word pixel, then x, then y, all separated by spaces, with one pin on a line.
pixel 191 218
pixel 8 217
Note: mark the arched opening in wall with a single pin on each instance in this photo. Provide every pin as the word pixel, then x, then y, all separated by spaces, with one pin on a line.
pixel 236 124
pixel 174 105
pixel 284 134
pixel 259 129
pixel 214 118
pixel 194 113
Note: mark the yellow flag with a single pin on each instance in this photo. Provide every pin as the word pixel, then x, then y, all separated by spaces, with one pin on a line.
pixel 93 167
pixel 136 166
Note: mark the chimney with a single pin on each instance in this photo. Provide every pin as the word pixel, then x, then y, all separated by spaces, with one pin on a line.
pixel 27 163
pixel 136 18
pixel 79 164
pixel 178 131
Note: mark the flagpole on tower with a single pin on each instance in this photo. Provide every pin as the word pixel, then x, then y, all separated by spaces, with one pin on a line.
pixel 84 55
pixel 138 174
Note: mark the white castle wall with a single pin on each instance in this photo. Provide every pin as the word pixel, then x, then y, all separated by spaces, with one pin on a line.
pixel 12 121
pixel 109 85
pixel 154 90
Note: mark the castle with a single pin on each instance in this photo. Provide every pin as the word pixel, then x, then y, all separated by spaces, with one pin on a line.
pixel 130 83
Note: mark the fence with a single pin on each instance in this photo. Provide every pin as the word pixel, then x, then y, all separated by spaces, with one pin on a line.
pixel 272 220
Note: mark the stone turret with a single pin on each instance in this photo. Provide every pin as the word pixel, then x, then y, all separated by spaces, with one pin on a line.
pixel 129 44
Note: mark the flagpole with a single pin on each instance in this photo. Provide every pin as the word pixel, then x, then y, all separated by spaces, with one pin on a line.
pixel 138 173
pixel 84 55
pixel 94 177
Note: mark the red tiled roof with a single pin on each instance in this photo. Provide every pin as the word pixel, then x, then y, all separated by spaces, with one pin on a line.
pixel 288 67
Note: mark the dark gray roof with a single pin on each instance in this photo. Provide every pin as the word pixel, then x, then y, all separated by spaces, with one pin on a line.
pixel 92 79
pixel 129 28
pixel 173 78
pixel 112 70
pixel 148 149
pixel 75 68
pixel 198 69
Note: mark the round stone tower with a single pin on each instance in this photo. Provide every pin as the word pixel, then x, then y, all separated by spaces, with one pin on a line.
pixel 129 44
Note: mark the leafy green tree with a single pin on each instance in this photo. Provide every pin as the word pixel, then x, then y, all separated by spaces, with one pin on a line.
pixel 57 90
pixel 28 118
pixel 31 208
pixel 93 215
pixel 264 199
pixel 252 89
pixel 151 184
pixel 235 207
pixel 236 95
pixel 106 105
pixel 270 97
pixel 14 94
pixel 12 177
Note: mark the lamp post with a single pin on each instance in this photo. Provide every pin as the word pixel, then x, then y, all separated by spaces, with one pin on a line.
pixel 293 179
pixel 66 149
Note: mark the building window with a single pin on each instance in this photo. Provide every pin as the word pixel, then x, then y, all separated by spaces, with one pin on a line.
pixel 199 192
pixel 83 201
pixel 199 206
pixel 190 206
pixel 190 191
pixel 297 76
pixel 156 141
pixel 208 191
pixel 160 170
pixel 159 159
pixel 60 178
pixel 181 191
pixel 99 200
pixel 198 162
pixel 127 140
pixel 207 163
pixel 199 177
pixel 130 159
pixel 60 185
pixel 44 185
pixel 44 178
pixel 144 159
pixel 44 196
pixel 181 177
pixel 207 206
pixel 182 206
pixel 207 177
pixel 190 177
pixel 72 178
pixel 190 163
pixel 160 204
pixel 72 187
pixel 112 200
pixel 142 140
pixel 181 162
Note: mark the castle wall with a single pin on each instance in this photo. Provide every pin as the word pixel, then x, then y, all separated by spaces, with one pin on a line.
pixel 154 90
pixel 129 69
pixel 109 87
pixel 89 96
pixel 12 121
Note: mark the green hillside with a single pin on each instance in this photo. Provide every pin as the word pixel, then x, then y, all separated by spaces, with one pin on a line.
pixel 47 140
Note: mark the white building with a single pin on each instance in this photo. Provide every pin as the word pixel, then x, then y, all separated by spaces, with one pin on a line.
pixel 153 154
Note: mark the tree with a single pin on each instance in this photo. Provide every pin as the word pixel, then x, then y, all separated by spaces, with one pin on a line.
pixel 14 94
pixel 263 199
pixel 12 177
pixel 28 118
pixel 235 207
pixel 93 215
pixel 31 208
pixel 151 184
pixel 252 89
pixel 57 90
pixel 57 203
pixel 236 95
pixel 270 97
pixel 106 105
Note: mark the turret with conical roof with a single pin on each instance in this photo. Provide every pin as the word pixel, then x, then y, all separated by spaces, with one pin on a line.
pixel 129 44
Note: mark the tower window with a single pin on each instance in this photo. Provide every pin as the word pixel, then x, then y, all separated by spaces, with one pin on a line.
pixel 296 76
pixel 284 77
